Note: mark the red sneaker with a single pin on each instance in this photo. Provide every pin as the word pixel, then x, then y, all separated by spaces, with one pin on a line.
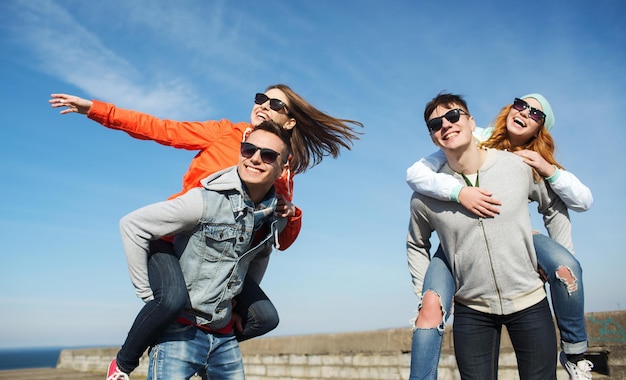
pixel 115 373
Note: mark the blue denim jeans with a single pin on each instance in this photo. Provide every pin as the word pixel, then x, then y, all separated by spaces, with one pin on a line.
pixel 183 351
pixel 426 344
pixel 568 305
pixel 170 297
pixel 568 302
pixel 477 342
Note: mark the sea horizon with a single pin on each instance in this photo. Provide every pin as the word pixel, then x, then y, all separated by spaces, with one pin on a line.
pixel 33 357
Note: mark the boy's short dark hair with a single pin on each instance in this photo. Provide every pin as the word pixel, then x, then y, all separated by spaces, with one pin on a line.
pixel 446 100
pixel 273 127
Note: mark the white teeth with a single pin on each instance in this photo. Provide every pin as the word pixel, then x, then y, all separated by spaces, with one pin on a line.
pixel 449 135
pixel 253 169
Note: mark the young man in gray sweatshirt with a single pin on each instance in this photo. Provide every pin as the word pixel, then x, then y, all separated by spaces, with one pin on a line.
pixel 215 229
pixel 492 259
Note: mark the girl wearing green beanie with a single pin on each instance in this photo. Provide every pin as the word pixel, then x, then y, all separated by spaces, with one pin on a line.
pixel 522 127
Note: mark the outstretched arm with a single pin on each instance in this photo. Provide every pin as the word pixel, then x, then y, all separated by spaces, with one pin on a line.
pixel 190 135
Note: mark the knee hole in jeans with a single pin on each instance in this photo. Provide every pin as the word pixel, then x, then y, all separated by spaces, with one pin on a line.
pixel 431 312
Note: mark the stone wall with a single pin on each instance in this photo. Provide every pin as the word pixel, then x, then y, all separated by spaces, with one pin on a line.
pixel 382 354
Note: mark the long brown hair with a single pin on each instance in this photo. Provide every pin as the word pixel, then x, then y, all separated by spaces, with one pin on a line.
pixel 543 143
pixel 316 134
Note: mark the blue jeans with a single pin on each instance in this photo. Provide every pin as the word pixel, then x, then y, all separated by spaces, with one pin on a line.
pixel 170 297
pixel 477 342
pixel 183 351
pixel 568 305
pixel 426 344
pixel 568 302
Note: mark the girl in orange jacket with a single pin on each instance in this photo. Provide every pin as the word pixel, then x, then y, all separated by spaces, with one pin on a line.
pixel 314 135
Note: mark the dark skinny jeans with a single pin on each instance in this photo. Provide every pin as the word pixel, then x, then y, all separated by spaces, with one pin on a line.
pixel 477 342
pixel 170 297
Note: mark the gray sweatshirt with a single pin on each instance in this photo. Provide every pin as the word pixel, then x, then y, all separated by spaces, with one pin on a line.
pixel 492 259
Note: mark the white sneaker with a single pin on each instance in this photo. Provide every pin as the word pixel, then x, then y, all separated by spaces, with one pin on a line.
pixel 580 370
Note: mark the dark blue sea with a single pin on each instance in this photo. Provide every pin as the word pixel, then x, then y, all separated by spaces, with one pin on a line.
pixel 17 358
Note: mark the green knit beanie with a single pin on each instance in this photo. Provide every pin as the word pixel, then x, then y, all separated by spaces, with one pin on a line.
pixel 547 109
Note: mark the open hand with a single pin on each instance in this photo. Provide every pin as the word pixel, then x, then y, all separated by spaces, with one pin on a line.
pixel 71 102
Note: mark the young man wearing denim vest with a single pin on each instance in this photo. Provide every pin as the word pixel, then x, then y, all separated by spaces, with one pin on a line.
pixel 492 260
pixel 214 226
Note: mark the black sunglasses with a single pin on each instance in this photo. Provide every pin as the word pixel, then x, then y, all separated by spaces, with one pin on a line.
pixel 267 155
pixel 452 116
pixel 533 113
pixel 275 104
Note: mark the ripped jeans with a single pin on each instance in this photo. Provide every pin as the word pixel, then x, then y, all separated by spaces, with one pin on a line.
pixel 568 297
pixel 426 345
pixel 567 302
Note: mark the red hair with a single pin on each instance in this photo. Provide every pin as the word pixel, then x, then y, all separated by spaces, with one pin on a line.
pixel 543 143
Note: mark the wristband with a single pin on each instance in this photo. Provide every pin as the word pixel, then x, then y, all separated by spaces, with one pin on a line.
pixel 454 194
pixel 554 176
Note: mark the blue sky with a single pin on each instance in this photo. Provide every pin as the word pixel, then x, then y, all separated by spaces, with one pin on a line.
pixel 66 181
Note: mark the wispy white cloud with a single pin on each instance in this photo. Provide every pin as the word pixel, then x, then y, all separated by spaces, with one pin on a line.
pixel 219 44
pixel 64 48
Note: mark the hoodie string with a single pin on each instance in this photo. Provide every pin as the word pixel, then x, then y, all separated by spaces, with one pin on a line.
pixel 276 243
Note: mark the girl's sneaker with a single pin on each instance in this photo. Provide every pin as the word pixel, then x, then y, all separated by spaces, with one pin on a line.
pixel 576 371
pixel 115 373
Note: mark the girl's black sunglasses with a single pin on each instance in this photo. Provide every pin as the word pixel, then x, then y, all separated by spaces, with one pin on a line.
pixel 533 113
pixel 275 104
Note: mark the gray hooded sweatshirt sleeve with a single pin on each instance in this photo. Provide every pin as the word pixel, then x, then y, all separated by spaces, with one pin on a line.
pixel 153 222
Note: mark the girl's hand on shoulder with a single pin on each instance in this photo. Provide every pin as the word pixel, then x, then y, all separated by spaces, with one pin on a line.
pixel 536 161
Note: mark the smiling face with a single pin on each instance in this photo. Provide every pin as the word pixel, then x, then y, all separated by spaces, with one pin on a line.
pixel 520 127
pixel 263 112
pixel 455 135
pixel 254 172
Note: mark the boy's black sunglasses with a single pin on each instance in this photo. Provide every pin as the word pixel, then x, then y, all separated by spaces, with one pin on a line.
pixel 452 116
pixel 275 104
pixel 267 155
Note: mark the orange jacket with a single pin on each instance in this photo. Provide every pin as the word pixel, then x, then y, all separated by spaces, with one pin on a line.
pixel 218 144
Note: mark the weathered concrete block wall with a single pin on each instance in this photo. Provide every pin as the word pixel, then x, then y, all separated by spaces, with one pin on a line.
pixel 383 354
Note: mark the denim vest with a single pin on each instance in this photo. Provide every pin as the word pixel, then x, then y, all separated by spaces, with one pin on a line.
pixel 215 256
